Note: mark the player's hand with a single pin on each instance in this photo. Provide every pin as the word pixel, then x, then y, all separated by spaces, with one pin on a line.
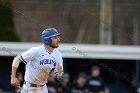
pixel 14 81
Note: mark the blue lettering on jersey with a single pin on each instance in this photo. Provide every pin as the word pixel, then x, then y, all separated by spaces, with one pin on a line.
pixel 48 61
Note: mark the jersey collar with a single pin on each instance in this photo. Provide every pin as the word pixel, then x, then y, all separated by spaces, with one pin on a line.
pixel 47 50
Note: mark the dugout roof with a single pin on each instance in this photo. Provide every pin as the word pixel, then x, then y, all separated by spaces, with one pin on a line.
pixel 77 50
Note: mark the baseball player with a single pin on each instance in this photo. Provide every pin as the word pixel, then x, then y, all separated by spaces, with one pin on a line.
pixel 41 63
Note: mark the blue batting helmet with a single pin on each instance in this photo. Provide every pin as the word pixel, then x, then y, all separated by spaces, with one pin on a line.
pixel 47 34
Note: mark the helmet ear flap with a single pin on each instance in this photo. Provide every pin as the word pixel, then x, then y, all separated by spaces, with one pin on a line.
pixel 48 41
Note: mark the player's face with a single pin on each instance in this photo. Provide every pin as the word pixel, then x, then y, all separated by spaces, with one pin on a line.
pixel 55 41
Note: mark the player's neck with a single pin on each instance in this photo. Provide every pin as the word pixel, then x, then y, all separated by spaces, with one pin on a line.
pixel 49 48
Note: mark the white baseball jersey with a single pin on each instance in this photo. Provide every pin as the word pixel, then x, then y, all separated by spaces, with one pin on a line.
pixel 39 62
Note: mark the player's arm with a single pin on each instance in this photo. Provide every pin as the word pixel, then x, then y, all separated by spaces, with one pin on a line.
pixel 59 69
pixel 15 64
pixel 59 74
pixel 25 57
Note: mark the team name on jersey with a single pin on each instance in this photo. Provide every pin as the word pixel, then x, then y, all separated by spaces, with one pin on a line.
pixel 48 61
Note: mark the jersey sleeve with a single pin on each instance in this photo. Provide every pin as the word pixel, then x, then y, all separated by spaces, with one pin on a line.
pixel 28 55
pixel 60 62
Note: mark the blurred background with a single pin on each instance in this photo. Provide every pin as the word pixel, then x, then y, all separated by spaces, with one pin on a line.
pixel 97 35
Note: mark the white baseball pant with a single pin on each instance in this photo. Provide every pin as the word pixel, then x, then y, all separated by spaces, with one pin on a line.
pixel 28 89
